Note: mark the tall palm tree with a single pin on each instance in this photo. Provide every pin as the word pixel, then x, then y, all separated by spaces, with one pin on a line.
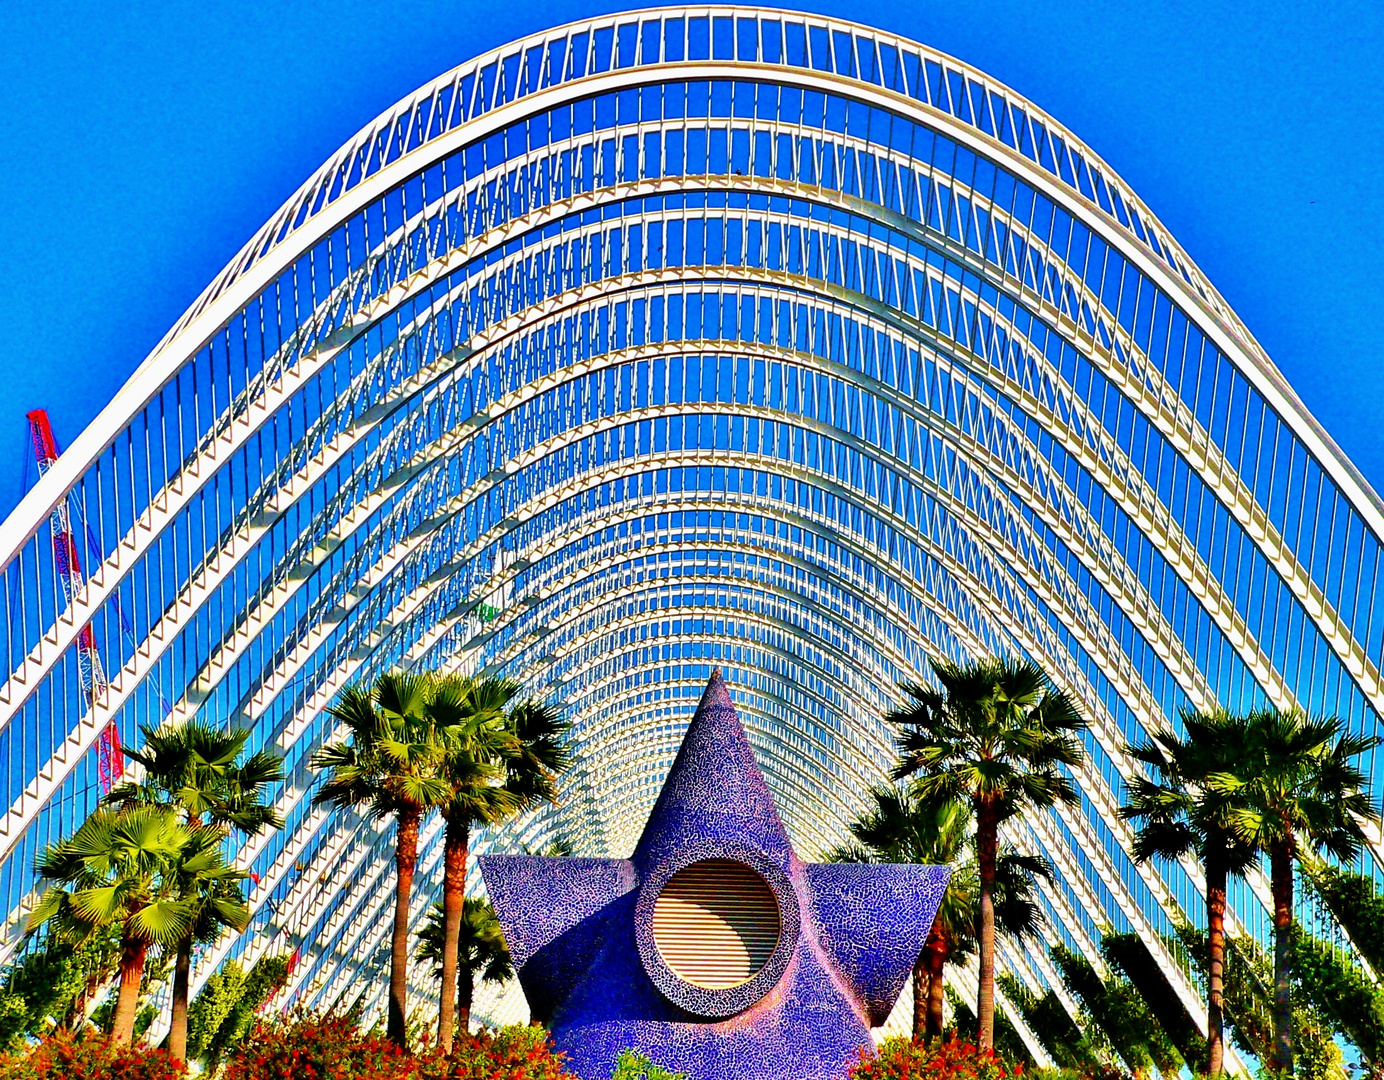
pixel 470 714
pixel 1292 782
pixel 117 870
pixel 389 763
pixel 902 828
pixel 997 735
pixel 496 764
pixel 481 951
pixel 197 768
pixel 212 889
pixel 1180 815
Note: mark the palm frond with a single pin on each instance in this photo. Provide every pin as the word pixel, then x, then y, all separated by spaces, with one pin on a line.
pixel 997 729
pixel 1294 780
pixel 161 922
pixel 849 853
pixel 481 948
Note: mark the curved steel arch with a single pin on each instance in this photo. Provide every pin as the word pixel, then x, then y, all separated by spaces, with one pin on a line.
pixel 1014 415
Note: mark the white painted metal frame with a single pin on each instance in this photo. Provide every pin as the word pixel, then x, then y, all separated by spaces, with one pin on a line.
pixel 1016 556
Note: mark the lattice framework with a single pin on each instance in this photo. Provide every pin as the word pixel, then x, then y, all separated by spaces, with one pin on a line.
pixel 693 337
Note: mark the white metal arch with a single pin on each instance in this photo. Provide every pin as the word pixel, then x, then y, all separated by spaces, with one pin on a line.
pixel 376 512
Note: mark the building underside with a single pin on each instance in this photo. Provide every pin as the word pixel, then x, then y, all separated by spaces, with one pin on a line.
pixel 671 340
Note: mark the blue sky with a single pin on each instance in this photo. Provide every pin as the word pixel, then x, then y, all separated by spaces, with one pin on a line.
pixel 144 141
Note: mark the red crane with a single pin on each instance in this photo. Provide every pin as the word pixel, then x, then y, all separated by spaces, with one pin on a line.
pixel 68 564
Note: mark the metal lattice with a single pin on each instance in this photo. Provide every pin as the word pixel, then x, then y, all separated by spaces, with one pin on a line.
pixel 675 339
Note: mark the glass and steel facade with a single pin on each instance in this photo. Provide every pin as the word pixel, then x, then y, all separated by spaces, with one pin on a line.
pixel 676 339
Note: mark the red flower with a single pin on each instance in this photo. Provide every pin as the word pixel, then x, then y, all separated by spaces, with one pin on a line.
pixel 902 1059
pixel 65 1056
pixel 304 1046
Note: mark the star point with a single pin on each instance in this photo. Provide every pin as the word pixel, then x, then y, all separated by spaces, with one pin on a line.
pixel 585 933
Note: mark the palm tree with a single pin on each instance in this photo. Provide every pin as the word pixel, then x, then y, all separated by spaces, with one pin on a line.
pixel 390 763
pixel 1180 815
pixel 481 950
pixel 117 870
pixel 996 735
pixel 900 828
pixel 470 713
pixel 496 765
pixel 213 890
pixel 1293 781
pixel 193 766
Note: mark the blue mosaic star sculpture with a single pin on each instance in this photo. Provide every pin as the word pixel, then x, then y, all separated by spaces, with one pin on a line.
pixel 580 932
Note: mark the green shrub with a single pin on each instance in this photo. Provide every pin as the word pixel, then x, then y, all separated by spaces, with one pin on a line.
pixel 64 1056
pixel 632 1065
pixel 38 991
pixel 1098 1071
pixel 224 1012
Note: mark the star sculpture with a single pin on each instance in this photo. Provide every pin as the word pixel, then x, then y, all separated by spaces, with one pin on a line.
pixel 713 949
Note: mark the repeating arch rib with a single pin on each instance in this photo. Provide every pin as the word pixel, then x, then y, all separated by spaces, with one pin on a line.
pixel 685 336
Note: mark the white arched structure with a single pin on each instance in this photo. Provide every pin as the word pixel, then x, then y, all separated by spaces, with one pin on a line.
pixel 681 338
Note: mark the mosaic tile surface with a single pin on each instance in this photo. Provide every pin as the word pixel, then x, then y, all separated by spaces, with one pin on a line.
pixel 579 930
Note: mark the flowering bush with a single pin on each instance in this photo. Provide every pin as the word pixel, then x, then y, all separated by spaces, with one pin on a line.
pixel 903 1059
pixel 305 1046
pixel 64 1056
pixel 512 1053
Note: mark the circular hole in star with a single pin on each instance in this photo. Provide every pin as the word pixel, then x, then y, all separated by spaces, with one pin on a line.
pixel 716 923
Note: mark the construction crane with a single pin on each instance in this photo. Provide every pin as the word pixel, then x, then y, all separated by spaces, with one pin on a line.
pixel 67 563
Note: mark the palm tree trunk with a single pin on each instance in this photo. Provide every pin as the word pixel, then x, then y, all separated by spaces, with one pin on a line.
pixel 405 863
pixel 465 991
pixel 927 987
pixel 453 896
pixel 132 952
pixel 987 845
pixel 1281 874
pixel 1215 933
pixel 922 989
pixel 936 953
pixel 177 1026
pixel 182 976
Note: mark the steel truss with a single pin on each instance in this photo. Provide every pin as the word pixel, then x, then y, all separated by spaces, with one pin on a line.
pixel 677 338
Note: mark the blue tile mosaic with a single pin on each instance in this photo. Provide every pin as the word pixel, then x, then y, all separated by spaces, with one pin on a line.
pixel 580 931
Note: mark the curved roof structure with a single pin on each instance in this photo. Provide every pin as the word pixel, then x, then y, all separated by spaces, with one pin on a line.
pixel 675 339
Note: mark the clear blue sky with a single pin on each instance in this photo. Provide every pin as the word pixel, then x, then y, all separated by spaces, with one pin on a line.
pixel 143 142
